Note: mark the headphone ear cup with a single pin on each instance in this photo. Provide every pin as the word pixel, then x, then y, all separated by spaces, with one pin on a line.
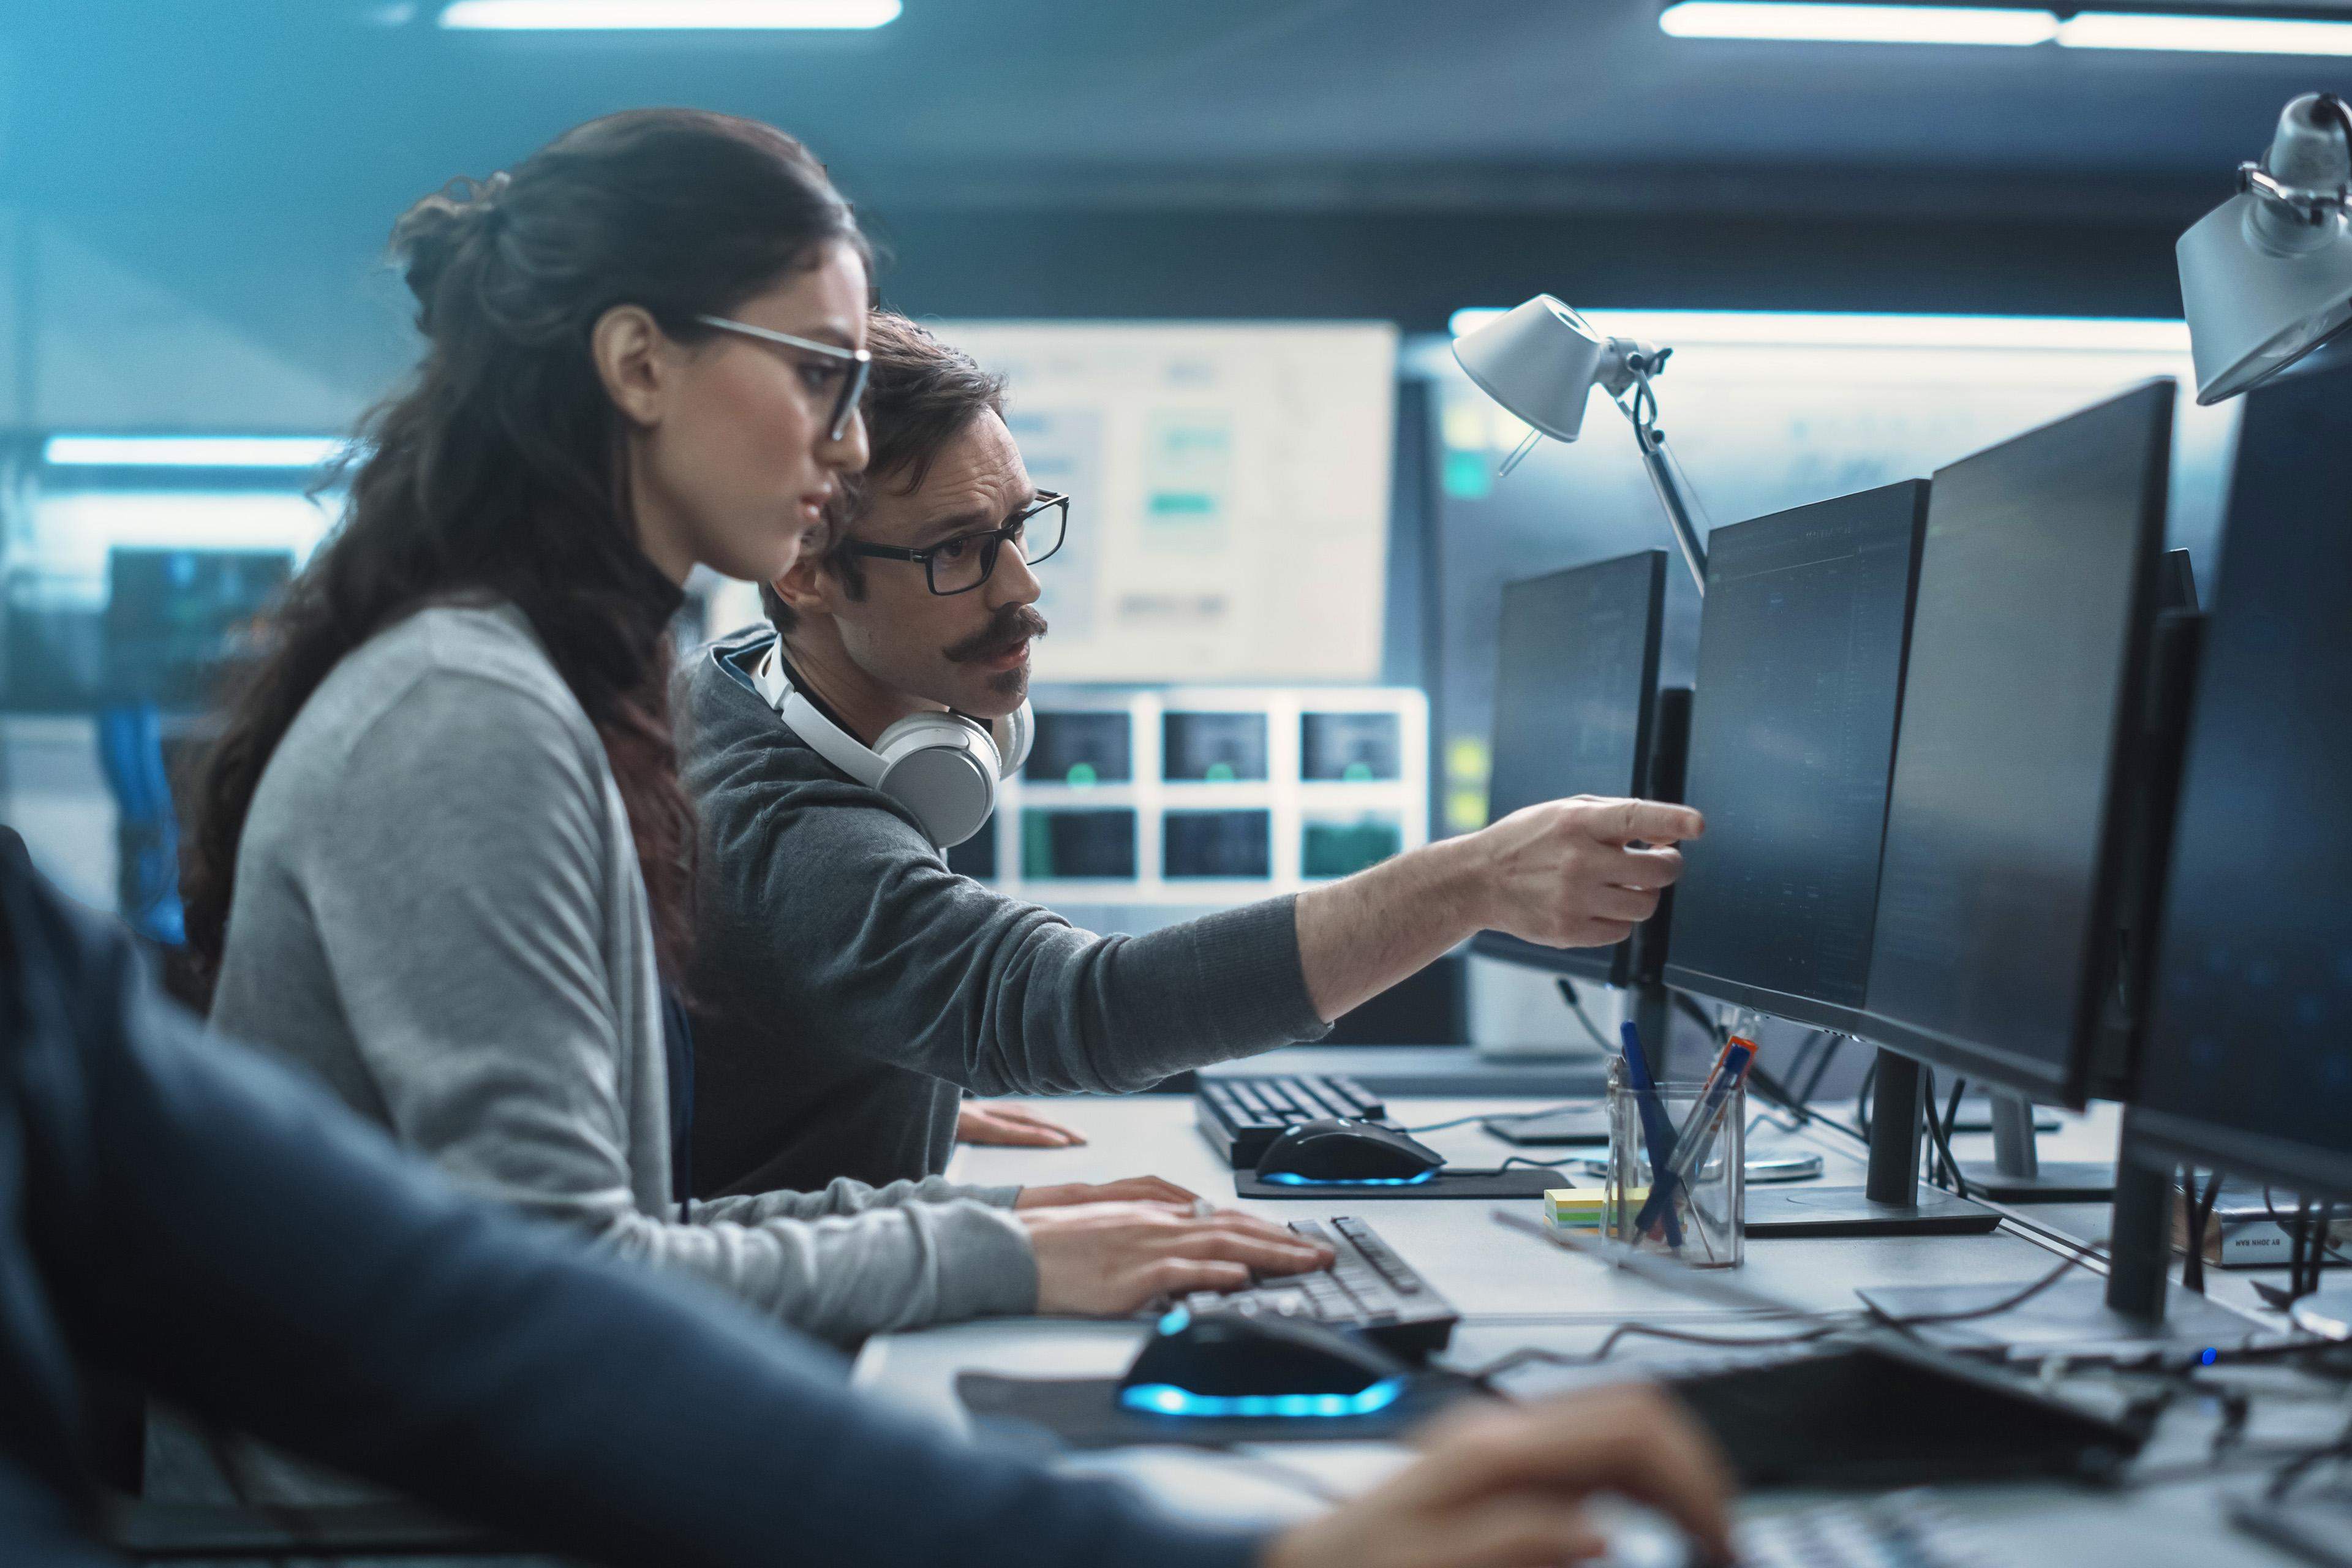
pixel 1014 734
pixel 942 767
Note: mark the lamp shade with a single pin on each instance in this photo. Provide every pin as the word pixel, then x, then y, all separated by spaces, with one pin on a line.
pixel 2266 276
pixel 1539 360
pixel 2252 311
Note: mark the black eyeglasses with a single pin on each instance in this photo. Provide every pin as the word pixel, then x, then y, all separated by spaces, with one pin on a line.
pixel 849 367
pixel 960 564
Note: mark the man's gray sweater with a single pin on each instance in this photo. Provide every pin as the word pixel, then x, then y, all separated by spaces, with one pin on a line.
pixel 850 987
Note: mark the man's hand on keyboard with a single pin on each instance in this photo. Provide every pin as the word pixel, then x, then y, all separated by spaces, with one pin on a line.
pixel 1130 1189
pixel 1108 1259
pixel 1506 1488
pixel 1001 1122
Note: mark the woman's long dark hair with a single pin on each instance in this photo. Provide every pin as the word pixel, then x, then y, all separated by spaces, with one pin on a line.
pixel 499 466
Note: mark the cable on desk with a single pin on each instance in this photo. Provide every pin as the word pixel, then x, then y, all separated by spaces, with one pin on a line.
pixel 1833 1046
pixel 1576 1005
pixel 2200 1216
pixel 2075 1260
pixel 1528 1354
pixel 1959 1183
pixel 1587 1103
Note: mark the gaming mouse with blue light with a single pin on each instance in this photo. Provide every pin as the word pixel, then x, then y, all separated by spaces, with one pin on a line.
pixel 1260 1364
pixel 1363 1153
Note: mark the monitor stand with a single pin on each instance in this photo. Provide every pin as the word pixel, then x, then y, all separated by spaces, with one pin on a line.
pixel 2127 1312
pixel 1893 1202
pixel 2018 1176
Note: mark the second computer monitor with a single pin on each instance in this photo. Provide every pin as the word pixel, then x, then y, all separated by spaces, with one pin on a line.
pixel 1996 929
pixel 1576 690
pixel 1791 746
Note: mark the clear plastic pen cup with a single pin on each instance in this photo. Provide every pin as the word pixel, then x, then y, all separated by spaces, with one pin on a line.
pixel 1677 1170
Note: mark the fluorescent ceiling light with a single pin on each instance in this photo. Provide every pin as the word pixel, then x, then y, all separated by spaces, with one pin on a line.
pixel 1802 329
pixel 585 16
pixel 189 451
pixel 2206 34
pixel 1805 22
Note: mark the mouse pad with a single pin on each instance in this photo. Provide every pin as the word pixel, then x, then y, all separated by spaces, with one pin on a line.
pixel 1085 1412
pixel 1515 1181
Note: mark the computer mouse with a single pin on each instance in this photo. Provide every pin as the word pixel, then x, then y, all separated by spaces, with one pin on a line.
pixel 1363 1154
pixel 1239 1363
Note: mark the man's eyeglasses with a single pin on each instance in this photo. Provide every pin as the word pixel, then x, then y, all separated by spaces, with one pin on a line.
pixel 848 367
pixel 963 562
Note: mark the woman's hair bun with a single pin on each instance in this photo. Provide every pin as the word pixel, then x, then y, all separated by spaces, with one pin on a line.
pixel 431 236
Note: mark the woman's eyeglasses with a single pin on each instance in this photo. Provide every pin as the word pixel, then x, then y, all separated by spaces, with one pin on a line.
pixel 963 562
pixel 848 367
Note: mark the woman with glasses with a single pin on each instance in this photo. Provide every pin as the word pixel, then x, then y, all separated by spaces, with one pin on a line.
pixel 852 987
pixel 444 858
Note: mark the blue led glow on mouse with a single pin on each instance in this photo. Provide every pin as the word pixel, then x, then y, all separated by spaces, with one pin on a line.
pixel 1342 1153
pixel 1258 1364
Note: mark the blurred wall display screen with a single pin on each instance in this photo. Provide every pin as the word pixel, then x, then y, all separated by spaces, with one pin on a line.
pixel 174 617
pixel 1229 493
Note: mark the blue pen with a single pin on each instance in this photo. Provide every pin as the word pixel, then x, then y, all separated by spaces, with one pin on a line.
pixel 1696 1139
pixel 1656 1132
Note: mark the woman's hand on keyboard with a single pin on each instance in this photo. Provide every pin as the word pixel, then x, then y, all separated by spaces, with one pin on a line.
pixel 1506 1488
pixel 1108 1259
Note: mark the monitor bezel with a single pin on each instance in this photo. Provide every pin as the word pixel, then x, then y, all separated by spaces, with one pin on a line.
pixel 2069 1083
pixel 1795 1006
pixel 1586 963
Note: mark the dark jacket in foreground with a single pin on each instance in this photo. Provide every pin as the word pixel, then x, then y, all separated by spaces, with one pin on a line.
pixel 178 1210
pixel 849 986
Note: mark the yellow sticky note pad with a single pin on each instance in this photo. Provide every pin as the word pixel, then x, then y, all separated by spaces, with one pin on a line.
pixel 1585 1207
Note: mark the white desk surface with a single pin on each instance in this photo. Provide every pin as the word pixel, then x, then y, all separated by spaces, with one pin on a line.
pixel 1516 1290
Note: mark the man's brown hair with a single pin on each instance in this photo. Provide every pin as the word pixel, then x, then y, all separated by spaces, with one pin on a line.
pixel 921 395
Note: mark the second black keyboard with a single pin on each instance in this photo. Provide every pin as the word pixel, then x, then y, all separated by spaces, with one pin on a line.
pixel 1368 1288
pixel 1243 1115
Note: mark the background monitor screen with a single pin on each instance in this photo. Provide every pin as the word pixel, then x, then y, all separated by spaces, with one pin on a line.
pixel 1997 907
pixel 1340 848
pixel 1081 748
pixel 174 617
pixel 1217 844
pixel 1574 695
pixel 1791 747
pixel 1215 748
pixel 2248 1058
pixel 1088 844
pixel 1350 746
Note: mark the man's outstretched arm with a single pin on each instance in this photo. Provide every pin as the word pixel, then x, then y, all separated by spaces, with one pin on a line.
pixel 1567 873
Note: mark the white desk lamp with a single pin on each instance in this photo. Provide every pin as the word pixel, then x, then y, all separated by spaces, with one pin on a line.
pixel 2266 276
pixel 1541 361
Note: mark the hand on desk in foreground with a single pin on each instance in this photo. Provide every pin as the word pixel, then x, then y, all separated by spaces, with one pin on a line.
pixel 1506 1488
pixel 994 1121
pixel 1108 1259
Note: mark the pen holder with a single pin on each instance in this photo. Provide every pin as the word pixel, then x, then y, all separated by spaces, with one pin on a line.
pixel 1700 1216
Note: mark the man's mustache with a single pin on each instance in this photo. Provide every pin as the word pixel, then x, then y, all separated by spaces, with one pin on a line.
pixel 1013 625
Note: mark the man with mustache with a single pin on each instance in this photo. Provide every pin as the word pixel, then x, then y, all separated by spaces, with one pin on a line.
pixel 850 987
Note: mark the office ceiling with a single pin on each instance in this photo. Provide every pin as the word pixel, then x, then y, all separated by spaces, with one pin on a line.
pixel 357 105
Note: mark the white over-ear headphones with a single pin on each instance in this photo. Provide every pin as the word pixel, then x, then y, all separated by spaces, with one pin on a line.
pixel 942 767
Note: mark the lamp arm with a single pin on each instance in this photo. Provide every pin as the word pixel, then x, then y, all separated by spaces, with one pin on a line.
pixel 1652 443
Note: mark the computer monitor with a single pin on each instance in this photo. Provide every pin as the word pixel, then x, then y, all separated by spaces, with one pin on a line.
pixel 1212 748
pixel 1576 693
pixel 1230 844
pixel 1081 747
pixel 1791 749
pixel 2246 1061
pixel 173 617
pixel 1995 936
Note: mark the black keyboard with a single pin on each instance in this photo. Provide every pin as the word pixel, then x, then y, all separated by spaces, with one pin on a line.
pixel 1243 1115
pixel 1368 1288
pixel 1904 1531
